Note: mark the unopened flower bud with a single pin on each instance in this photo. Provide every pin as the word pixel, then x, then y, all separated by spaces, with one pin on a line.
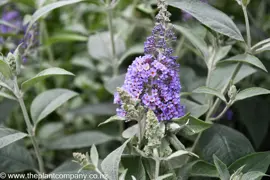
pixel 173 127
pixel 11 60
pixel 232 92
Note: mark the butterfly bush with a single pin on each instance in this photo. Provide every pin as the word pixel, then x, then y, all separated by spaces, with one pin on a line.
pixel 30 39
pixel 154 77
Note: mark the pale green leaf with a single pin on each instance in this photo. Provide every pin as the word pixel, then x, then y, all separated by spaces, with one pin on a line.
pixel 245 58
pixel 66 37
pixel 207 90
pixel 5 69
pixel 251 92
pixel 112 119
pixel 209 16
pixel 8 96
pixel 180 153
pixel 253 175
pixel 49 101
pixel 221 168
pixel 131 131
pixel 114 83
pixel 94 155
pixel 79 140
pixel 137 49
pixel 51 72
pixel 110 165
pixel 164 176
pixel 46 9
pixel 8 136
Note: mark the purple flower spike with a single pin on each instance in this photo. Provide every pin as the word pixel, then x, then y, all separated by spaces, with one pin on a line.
pixel 154 77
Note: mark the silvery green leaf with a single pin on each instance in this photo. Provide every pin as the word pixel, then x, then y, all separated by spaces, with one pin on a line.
pixel 49 101
pixel 250 162
pixel 164 176
pixel 207 90
pixel 50 72
pixel 114 83
pixel 94 155
pixel 251 92
pixel 110 165
pixel 194 108
pixel 222 52
pixel 16 158
pixel 46 9
pixel 180 153
pixel 203 169
pixel 131 131
pixel 137 49
pixel 5 69
pixel 253 175
pixel 245 58
pixel 9 136
pixel 221 168
pixel 112 119
pixel 123 175
pixel 79 140
pixel 7 95
pixel 100 49
pixel 209 16
pixel 198 42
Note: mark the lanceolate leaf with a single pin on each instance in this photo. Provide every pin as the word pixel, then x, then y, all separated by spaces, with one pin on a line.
pixel 115 82
pixel 180 153
pixel 8 136
pixel 209 16
pixel 43 75
pixel 79 140
pixel 207 90
pixel 253 175
pixel 251 92
pixel 221 168
pixel 8 96
pixel 48 101
pixel 245 58
pixel 110 165
pixel 204 169
pixel 46 9
pixel 4 69
pixel 198 42
pixel 112 119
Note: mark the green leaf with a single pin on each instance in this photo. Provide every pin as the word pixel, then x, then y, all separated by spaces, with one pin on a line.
pixel 49 101
pixel 66 37
pixel 5 69
pixel 207 90
pixel 110 165
pixel 8 96
pixel 245 58
pixel 226 143
pixel 8 136
pixel 131 131
pixel 198 42
pixel 194 108
pixel 251 92
pixel 209 16
pixel 180 153
pixel 194 125
pixel 79 140
pixel 222 52
pixel 258 161
pixel 137 49
pixel 221 76
pixel 6 86
pixel 114 83
pixel 221 168
pixel 203 169
pixel 98 47
pixel 134 166
pixel 15 158
pixel 182 119
pixel 94 155
pixel 95 109
pixel 253 175
pixel 112 119
pixel 51 72
pixel 123 175
pixel 46 9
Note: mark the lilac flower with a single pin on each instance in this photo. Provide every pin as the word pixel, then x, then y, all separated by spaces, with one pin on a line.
pixel 186 16
pixel 154 77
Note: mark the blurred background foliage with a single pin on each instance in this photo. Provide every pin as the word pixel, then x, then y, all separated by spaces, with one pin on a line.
pixel 76 38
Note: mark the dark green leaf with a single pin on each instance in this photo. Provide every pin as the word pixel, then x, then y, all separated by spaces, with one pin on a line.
pixel 221 168
pixel 134 166
pixel 226 143
pixel 194 108
pixel 251 92
pixel 207 90
pixel 204 169
pixel 209 16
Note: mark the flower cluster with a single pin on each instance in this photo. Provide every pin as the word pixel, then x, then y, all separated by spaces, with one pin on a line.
pixel 12 16
pixel 154 77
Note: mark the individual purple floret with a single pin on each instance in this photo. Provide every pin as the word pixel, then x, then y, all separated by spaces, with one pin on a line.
pixel 186 16
pixel 154 77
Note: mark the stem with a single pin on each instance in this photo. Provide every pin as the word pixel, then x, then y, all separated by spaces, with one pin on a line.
pixel 221 114
pixel 175 142
pixel 247 27
pixel 29 125
pixel 157 163
pixel 110 27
